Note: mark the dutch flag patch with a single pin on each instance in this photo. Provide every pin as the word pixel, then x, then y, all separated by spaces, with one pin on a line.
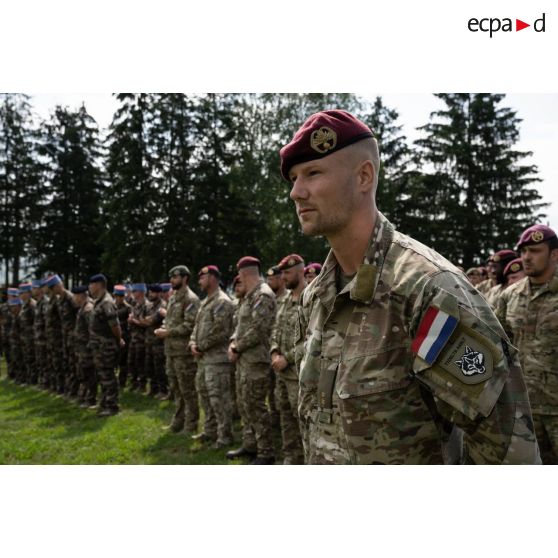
pixel 433 333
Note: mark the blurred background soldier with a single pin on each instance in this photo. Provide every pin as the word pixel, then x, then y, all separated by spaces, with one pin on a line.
pixel 311 271
pixel 16 368
pixel 528 310
pixel 209 343
pixel 514 272
pixel 136 350
pixel 155 346
pixel 277 285
pixel 87 388
pixel 27 321
pixel 104 340
pixel 166 291
pixel 283 359
pixel 249 347
pixel 39 333
pixel 67 312
pixel 238 293
pixel 499 262
pixel 123 310
pixel 180 365
pixel 474 275
pixel 490 280
pixel 55 340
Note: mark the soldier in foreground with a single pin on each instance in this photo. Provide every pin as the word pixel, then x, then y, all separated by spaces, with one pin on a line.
pixel 528 311
pixel 393 345
pixel 180 365
pixel 249 349
pixel 209 343
pixel 283 361
pixel 105 339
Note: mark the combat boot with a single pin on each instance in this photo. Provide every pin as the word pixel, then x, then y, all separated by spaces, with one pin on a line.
pixel 240 452
pixel 263 461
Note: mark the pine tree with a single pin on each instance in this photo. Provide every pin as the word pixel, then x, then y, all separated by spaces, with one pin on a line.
pixel 20 189
pixel 481 193
pixel 70 231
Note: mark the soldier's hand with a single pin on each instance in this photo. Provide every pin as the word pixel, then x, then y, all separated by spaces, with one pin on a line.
pixel 233 357
pixel 278 362
pixel 122 343
pixel 195 351
pixel 162 312
pixel 161 333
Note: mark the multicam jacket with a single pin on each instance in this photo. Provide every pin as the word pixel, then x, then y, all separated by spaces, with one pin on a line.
pixel 213 328
pixel 366 393
pixel 182 309
pixel 256 316
pixel 283 335
pixel 530 317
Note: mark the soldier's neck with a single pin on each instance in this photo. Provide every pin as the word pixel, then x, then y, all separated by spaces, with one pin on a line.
pixel 544 278
pixel 349 245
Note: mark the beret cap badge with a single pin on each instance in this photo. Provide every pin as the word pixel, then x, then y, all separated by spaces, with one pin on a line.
pixel 323 140
pixel 537 236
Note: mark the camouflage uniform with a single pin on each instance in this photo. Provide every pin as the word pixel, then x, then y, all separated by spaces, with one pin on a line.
pixel 87 390
pixel 68 312
pixel 40 336
pixel 366 396
pixel 530 317
pixel 494 294
pixel 274 411
pixel 484 286
pixel 256 316
pixel 16 365
pixel 211 334
pixel 104 347
pixel 27 320
pixel 136 350
pixel 234 370
pixel 55 345
pixel 286 390
pixel 5 319
pixel 155 350
pixel 181 367
pixel 123 311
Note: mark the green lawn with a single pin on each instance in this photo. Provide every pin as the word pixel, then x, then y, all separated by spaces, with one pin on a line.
pixel 38 427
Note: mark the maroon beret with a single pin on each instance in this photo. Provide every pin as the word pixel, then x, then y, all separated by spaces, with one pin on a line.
pixel 504 256
pixel 247 261
pixel 213 269
pixel 535 235
pixel 315 266
pixel 290 261
pixel 513 267
pixel 273 271
pixel 321 135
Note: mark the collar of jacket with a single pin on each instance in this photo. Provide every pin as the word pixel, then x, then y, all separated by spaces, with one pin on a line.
pixel 363 285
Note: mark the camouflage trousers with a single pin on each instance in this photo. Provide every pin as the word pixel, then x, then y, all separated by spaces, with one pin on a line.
pixel 272 400
pixel 87 378
pixel 136 363
pixel 181 374
pixel 56 362
pixel 123 363
pixel 214 389
pixel 30 376
pixel 546 430
pixel 155 367
pixel 252 391
pixel 41 361
pixel 16 366
pixel 71 382
pixel 105 357
pixel 286 393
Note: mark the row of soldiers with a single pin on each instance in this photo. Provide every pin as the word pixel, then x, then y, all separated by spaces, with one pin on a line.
pixel 234 359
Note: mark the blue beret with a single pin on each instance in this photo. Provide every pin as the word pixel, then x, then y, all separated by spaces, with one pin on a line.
pixel 13 291
pixel 80 289
pixel 139 287
pixel 119 290
pixel 37 283
pixel 25 288
pixel 166 287
pixel 14 302
pixel 53 280
pixel 154 288
pixel 98 278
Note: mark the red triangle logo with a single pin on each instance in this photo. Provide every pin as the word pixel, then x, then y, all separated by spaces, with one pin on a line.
pixel 519 25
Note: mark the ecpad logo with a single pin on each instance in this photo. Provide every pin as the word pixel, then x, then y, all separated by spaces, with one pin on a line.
pixel 492 25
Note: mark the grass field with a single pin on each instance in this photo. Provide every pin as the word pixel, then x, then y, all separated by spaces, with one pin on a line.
pixel 37 427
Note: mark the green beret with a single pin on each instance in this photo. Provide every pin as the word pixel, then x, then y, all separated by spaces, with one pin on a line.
pixel 179 270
